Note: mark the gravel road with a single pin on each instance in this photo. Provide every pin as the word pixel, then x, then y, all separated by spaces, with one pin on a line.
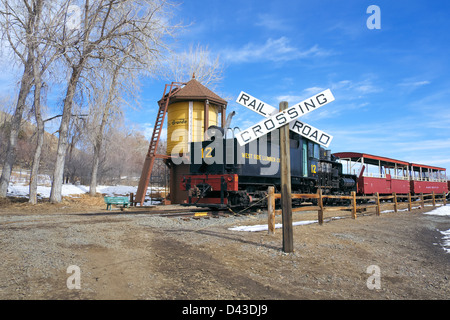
pixel 124 255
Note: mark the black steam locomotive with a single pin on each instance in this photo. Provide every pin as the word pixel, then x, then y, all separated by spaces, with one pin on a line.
pixel 224 174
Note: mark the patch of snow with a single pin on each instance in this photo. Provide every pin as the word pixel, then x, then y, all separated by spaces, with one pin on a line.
pixel 399 210
pixel 446 240
pixel 18 190
pixel 71 190
pixel 263 227
pixel 443 211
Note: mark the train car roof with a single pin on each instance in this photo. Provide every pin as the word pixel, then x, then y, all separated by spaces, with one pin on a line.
pixel 357 155
pixel 428 167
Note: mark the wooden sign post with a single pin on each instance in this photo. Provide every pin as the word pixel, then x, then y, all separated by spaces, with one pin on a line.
pixel 271 209
pixel 286 198
pixel 285 120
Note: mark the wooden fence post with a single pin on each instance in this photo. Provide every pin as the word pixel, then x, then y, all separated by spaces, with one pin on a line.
pixel 394 199
pixel 271 209
pixel 378 204
pixel 285 175
pixel 409 202
pixel 354 204
pixel 132 199
pixel 320 203
pixel 422 201
pixel 444 200
pixel 434 199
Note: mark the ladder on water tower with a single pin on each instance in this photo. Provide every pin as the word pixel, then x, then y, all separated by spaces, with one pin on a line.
pixel 174 87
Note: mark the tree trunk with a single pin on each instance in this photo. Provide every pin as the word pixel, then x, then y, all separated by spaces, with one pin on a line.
pixel 58 173
pixel 25 87
pixel 97 149
pixel 99 138
pixel 36 159
pixel 40 133
pixel 95 163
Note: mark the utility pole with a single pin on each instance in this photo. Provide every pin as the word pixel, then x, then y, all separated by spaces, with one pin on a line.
pixel 286 198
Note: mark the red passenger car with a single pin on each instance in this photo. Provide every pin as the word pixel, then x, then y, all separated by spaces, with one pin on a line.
pixel 375 173
pixel 426 179
pixel 385 175
pixel 448 188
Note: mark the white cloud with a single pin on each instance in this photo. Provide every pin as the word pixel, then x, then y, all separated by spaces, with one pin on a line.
pixel 291 99
pixel 275 50
pixel 367 88
pixel 350 90
pixel 414 84
pixel 423 145
pixel 306 93
pixel 341 84
pixel 270 22
pixel 313 90
pixel 401 141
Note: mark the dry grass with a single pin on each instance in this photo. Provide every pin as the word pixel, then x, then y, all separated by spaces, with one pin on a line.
pixel 79 203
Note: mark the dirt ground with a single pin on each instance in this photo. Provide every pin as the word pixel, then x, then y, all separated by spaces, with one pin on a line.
pixel 137 255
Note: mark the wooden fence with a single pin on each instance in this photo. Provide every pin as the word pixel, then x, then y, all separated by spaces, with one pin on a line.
pixel 354 207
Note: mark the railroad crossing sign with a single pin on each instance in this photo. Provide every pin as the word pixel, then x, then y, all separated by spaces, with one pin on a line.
pixel 275 119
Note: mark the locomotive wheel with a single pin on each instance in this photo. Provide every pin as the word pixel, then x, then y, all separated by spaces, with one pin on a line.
pixel 240 198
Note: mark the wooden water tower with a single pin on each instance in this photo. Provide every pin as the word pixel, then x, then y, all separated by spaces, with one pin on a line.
pixel 191 107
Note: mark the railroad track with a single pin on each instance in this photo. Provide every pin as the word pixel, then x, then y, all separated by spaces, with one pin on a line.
pixel 188 213
pixel 197 214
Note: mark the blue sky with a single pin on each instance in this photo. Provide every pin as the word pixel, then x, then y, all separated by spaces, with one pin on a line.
pixel 391 85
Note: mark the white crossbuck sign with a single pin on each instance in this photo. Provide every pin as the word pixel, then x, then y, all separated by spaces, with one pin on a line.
pixel 275 119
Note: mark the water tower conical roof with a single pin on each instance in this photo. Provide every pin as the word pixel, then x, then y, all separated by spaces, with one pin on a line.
pixel 194 90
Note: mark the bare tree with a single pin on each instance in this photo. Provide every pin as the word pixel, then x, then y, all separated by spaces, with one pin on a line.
pixel 198 62
pixel 123 154
pixel 108 29
pixel 23 28
pixel 37 111
pixel 99 133
pixel 42 58
pixel 17 24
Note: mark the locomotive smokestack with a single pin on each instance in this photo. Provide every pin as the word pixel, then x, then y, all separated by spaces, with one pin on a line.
pixel 228 122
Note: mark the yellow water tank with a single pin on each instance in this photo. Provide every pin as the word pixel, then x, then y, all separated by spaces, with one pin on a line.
pixel 185 124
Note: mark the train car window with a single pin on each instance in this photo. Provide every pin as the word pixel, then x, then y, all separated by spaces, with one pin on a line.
pixel 294 144
pixel 400 173
pixel 305 158
pixel 310 150
pixel 316 151
pixel 433 175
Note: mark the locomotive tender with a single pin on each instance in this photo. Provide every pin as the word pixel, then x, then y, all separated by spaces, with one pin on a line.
pixel 224 174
